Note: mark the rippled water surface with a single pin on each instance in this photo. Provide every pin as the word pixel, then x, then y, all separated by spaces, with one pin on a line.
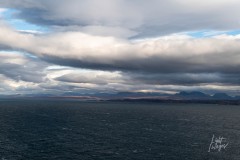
pixel 65 130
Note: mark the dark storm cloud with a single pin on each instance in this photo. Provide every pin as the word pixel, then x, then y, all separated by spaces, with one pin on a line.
pixel 185 79
pixel 153 64
pixel 141 78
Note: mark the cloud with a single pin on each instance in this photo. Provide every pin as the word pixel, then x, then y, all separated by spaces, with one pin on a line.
pixel 92 77
pixel 21 73
pixel 127 45
pixel 1 11
pixel 21 68
pixel 170 54
pixel 147 18
pixel 185 79
pixel 105 31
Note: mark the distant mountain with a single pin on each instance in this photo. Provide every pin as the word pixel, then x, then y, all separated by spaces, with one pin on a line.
pixel 139 94
pixel 10 96
pixel 191 95
pixel 181 96
pixel 237 97
pixel 222 96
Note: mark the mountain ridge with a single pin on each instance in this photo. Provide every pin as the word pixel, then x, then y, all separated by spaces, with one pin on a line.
pixel 182 95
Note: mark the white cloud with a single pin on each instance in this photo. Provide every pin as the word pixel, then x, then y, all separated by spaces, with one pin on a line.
pixel 176 53
pixel 2 10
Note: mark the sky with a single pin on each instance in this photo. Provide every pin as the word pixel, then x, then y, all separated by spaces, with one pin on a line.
pixel 108 46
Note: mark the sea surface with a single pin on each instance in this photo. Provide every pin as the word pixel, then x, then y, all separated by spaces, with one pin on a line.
pixel 73 130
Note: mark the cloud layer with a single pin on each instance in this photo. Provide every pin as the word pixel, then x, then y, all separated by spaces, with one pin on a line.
pixel 146 18
pixel 120 45
pixel 170 54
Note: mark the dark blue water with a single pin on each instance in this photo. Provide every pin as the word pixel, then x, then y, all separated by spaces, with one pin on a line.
pixel 65 130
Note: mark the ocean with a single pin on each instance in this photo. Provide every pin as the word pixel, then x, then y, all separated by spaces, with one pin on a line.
pixel 74 130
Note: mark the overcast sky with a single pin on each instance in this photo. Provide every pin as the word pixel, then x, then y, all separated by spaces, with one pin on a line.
pixel 92 46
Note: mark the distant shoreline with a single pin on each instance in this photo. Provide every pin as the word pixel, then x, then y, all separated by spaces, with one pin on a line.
pixel 224 102
pixel 147 100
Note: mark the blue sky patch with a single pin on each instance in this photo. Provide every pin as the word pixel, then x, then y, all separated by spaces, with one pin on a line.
pixel 10 16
